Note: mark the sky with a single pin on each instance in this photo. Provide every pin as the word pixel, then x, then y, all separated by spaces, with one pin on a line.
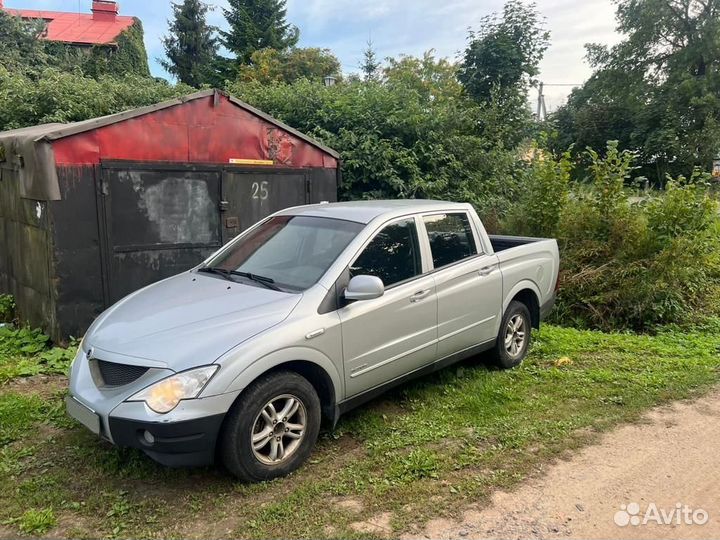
pixel 400 27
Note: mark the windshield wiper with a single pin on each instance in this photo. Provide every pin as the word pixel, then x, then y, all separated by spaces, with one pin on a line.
pixel 262 280
pixel 227 274
pixel 219 271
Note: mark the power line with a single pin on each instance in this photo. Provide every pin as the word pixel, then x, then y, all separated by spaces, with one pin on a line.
pixel 541 105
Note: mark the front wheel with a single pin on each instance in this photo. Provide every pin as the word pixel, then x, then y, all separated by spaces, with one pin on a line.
pixel 513 339
pixel 272 429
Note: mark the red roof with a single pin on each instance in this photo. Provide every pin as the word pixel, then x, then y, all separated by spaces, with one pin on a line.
pixel 81 28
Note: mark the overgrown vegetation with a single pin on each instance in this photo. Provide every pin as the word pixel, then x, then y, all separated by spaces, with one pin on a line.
pixel 424 451
pixel 61 96
pixel 22 51
pixel 413 134
pixel 626 264
pixel 7 308
pixel 25 352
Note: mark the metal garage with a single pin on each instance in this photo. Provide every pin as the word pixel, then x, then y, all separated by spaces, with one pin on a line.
pixel 94 210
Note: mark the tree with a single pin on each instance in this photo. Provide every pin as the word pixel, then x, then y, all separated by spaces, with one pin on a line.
pixel 256 25
pixel 20 48
pixel 413 133
pixel 505 52
pixel 370 65
pixel 431 78
pixel 269 65
pixel 191 46
pixel 658 90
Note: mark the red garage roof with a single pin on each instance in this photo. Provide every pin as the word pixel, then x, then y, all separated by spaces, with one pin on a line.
pixel 101 27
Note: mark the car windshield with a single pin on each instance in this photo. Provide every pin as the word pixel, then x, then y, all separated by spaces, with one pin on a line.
pixel 292 252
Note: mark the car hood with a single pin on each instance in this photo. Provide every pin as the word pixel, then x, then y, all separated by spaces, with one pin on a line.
pixel 186 321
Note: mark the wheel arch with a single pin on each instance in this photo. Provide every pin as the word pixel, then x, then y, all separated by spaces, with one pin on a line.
pixel 527 293
pixel 310 364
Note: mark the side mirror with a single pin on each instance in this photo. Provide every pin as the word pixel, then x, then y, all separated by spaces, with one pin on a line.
pixel 364 288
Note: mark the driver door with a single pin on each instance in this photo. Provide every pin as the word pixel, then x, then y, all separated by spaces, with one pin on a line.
pixel 395 334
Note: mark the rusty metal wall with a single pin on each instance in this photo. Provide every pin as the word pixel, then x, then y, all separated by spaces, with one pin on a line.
pixel 206 130
pixel 26 263
pixel 122 226
pixel 79 271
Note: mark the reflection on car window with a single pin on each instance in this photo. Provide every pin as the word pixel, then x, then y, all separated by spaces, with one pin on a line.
pixel 451 238
pixel 393 255
pixel 294 251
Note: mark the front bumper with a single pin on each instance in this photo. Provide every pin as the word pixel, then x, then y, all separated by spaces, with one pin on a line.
pixel 190 443
pixel 185 436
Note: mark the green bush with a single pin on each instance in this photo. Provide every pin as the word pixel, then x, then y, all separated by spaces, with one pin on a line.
pixel 628 265
pixel 413 134
pixel 7 308
pixel 544 196
pixel 54 95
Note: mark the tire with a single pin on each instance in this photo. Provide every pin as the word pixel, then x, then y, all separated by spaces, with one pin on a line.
pixel 251 422
pixel 511 349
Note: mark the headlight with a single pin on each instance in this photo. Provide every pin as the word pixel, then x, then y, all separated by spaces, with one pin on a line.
pixel 162 397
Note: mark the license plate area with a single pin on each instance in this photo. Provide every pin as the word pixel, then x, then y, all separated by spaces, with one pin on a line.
pixel 86 416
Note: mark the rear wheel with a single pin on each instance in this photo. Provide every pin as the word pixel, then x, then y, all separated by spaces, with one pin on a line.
pixel 513 339
pixel 272 429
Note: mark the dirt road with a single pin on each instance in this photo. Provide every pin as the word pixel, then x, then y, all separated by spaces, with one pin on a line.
pixel 671 459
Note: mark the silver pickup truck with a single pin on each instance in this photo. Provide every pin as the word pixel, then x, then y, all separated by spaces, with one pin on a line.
pixel 309 313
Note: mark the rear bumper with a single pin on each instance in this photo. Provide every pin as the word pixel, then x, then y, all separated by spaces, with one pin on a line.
pixel 546 308
pixel 189 443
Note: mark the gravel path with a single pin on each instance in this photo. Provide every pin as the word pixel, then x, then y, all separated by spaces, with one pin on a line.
pixel 670 459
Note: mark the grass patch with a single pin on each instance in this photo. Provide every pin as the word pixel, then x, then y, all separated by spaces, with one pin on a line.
pixel 421 452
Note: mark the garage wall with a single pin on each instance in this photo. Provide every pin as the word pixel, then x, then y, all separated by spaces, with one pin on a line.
pixel 26 265
pixel 77 251
pixel 204 130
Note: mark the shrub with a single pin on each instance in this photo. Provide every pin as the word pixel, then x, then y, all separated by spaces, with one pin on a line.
pixel 629 265
pixel 413 134
pixel 7 308
pixel 544 196
pixel 54 95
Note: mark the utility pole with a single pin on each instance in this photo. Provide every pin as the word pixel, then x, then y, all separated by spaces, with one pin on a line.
pixel 541 110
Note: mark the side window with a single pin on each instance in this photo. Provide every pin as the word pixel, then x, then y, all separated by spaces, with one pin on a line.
pixel 451 238
pixel 393 255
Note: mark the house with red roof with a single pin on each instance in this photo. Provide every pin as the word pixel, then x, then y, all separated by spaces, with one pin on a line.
pixel 103 31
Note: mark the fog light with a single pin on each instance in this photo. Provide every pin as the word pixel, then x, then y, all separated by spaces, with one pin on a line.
pixel 149 437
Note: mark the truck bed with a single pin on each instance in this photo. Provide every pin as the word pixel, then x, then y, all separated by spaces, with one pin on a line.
pixel 501 243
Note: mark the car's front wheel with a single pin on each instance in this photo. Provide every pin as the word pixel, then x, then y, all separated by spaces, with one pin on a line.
pixel 272 428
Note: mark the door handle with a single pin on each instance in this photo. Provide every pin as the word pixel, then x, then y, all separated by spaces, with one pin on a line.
pixel 483 272
pixel 420 295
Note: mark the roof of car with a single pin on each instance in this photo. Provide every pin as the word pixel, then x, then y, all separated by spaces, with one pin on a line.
pixel 366 211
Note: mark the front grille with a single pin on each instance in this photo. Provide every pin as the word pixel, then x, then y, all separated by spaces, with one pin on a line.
pixel 119 374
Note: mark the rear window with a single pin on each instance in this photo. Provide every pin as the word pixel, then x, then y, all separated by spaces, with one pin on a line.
pixel 451 238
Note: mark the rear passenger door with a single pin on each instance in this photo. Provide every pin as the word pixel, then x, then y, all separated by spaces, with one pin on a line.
pixel 468 283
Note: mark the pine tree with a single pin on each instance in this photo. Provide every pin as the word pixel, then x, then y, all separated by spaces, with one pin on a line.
pixel 256 25
pixel 191 46
pixel 370 65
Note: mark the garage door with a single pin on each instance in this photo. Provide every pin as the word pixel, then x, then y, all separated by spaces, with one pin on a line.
pixel 158 223
pixel 251 196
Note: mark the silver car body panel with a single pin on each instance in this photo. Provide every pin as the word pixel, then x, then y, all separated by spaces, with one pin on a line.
pixel 196 319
